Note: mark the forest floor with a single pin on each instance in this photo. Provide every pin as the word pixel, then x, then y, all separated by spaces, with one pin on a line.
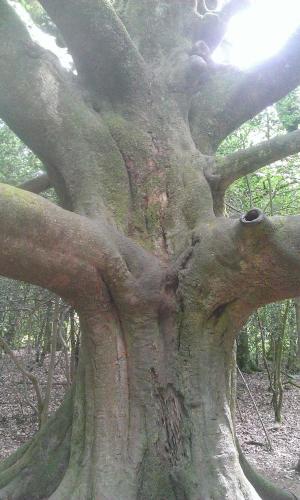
pixel 279 463
pixel 18 421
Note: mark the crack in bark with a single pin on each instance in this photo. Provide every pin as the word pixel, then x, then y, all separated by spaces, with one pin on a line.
pixel 130 183
pixel 181 263
pixel 173 280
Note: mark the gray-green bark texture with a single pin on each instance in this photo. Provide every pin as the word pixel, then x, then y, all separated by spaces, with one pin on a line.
pixel 161 280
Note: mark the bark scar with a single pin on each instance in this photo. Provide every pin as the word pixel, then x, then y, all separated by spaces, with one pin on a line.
pixel 173 417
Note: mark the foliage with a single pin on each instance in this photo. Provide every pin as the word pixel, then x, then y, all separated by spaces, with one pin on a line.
pixel 17 162
pixel 273 188
pixel 288 110
pixel 39 16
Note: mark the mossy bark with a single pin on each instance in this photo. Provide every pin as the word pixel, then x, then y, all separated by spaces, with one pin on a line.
pixel 160 283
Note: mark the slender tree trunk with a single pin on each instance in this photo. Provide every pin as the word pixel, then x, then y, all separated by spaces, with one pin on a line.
pixel 53 345
pixel 297 307
pixel 46 346
pixel 74 342
pixel 277 386
pixel 243 352
pixel 264 352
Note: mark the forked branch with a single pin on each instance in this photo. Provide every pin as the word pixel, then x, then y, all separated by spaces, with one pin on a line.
pixel 45 245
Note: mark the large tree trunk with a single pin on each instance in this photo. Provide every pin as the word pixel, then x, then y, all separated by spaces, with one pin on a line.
pixel 151 416
pixel 161 284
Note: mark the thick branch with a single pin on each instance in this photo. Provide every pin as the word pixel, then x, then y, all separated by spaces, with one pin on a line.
pixel 246 263
pixel 159 29
pixel 236 96
pixel 37 185
pixel 229 168
pixel 223 171
pixel 265 84
pixel 40 102
pixel 102 50
pixel 43 244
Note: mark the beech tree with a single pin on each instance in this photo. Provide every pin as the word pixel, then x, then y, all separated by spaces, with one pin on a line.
pixel 162 281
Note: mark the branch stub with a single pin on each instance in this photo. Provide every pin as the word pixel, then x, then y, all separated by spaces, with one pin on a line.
pixel 253 216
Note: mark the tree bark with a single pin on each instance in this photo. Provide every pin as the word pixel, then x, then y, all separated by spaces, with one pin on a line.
pixel 161 285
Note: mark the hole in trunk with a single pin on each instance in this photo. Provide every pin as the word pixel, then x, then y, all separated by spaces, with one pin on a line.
pixel 253 216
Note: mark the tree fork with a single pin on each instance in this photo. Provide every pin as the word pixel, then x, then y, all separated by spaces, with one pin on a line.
pixel 37 185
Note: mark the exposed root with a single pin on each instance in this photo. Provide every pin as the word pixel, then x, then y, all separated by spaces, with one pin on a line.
pixel 35 470
pixel 265 489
